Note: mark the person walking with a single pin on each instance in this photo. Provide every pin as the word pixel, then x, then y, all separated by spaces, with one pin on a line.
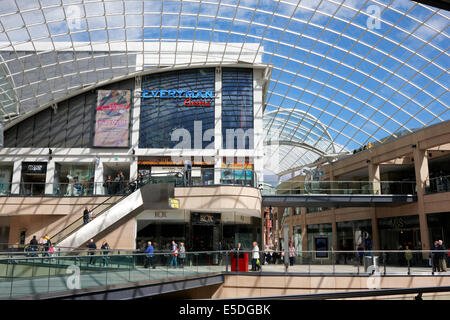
pixel 47 243
pixel 33 245
pixel 149 256
pixel 292 253
pixel 92 247
pixel 85 215
pixel 408 256
pixel 188 171
pixel 255 257
pixel 182 250
pixel 442 262
pixel 360 250
pixel 105 248
pixel 174 252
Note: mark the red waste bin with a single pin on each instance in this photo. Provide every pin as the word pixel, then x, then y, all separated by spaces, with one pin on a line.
pixel 243 262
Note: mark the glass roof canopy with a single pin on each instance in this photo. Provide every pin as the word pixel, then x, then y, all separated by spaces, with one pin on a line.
pixel 344 73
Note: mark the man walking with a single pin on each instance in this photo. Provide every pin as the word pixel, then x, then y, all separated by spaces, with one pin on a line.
pixel 149 257
pixel 174 252
pixel 92 247
pixel 85 215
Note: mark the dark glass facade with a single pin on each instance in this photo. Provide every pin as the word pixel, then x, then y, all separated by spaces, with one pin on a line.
pixel 237 105
pixel 162 114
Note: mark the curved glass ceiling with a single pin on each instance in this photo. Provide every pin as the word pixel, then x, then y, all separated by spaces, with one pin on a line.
pixel 344 73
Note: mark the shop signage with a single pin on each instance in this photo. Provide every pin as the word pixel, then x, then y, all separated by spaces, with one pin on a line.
pixel 35 167
pixel 191 97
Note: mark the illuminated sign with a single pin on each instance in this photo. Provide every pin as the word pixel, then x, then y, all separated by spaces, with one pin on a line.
pixel 191 97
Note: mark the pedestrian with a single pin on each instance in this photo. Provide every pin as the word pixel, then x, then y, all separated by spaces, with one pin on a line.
pixel 174 252
pixel 140 180
pixel 121 182
pixel 149 256
pixel 435 257
pixel 408 256
pixel 85 215
pixel 442 262
pixel 132 185
pixel 256 264
pixel 292 254
pixel 108 185
pixel 188 171
pixel 47 243
pixel 92 247
pixel 360 250
pixel 33 245
pixel 91 215
pixel 182 250
pixel 117 184
pixel 105 248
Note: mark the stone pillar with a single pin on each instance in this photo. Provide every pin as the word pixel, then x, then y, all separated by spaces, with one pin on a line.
pixel 16 176
pixel 375 232
pixel 334 231
pixel 133 168
pixel 422 182
pixel 374 177
pixel 98 178
pixel 218 125
pixel 50 177
pixel 304 229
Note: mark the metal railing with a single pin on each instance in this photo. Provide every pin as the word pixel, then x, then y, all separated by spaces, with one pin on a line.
pixel 438 184
pixel 345 187
pixel 33 273
pixel 202 177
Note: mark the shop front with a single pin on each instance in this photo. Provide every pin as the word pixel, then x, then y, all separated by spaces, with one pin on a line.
pixel 33 178
pixel 74 179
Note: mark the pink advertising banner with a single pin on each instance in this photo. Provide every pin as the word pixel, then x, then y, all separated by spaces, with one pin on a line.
pixel 112 119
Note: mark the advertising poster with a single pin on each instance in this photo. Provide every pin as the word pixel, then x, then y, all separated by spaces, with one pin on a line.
pixel 321 245
pixel 112 118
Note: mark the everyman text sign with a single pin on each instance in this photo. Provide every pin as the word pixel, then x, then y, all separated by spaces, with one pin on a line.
pixel 191 97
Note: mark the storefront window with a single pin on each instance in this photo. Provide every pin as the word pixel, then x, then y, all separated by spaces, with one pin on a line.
pixel 351 233
pixel 5 179
pixel 398 232
pixel 74 179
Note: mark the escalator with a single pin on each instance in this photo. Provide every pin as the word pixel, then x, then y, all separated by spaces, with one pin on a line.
pixel 154 193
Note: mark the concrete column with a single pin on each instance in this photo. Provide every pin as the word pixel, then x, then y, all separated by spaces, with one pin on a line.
pixel 334 231
pixel 422 182
pixel 16 176
pixel 135 116
pixel 218 125
pixel 258 126
pixel 374 177
pixel 375 232
pixel 50 177
pixel 133 168
pixel 304 230
pixel 98 178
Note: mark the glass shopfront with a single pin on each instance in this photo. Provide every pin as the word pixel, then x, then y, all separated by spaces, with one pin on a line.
pixel 439 226
pixel 5 178
pixel 74 179
pixel 352 233
pixel 33 178
pixel 200 231
pixel 398 232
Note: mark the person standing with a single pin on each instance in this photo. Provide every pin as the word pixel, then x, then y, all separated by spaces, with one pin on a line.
pixel 33 245
pixel 408 256
pixel 108 185
pixel 182 254
pixel 174 252
pixel 105 248
pixel 116 187
pixel 255 257
pixel 292 254
pixel 121 182
pixel 188 171
pixel 149 256
pixel 435 257
pixel 92 247
pixel 47 244
pixel 85 215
